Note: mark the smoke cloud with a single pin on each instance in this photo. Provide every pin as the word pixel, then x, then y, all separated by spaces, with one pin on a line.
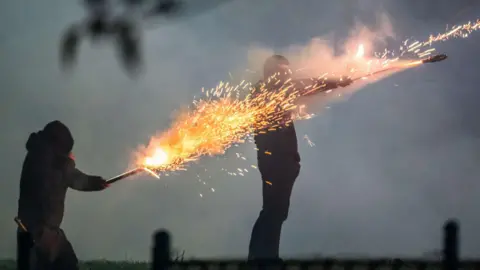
pixel 356 56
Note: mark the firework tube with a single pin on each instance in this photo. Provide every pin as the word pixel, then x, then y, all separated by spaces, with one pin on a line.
pixel 124 175
pixel 431 59
pixel 20 224
pixel 434 58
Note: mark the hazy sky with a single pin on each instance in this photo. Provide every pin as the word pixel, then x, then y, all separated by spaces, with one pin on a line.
pixel 389 165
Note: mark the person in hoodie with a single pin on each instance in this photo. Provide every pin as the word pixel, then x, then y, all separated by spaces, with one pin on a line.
pixel 48 171
pixel 277 155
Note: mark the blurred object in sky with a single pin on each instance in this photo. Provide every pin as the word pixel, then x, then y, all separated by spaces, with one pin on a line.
pixel 102 23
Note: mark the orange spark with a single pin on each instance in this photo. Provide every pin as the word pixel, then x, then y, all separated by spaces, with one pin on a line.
pixel 413 63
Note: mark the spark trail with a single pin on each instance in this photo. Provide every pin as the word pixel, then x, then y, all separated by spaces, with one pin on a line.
pixel 221 119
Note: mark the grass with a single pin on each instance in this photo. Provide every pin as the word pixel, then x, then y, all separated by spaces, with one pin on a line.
pixel 91 265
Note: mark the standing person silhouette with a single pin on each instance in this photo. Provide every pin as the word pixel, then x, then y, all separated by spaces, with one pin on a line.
pixel 278 157
pixel 48 171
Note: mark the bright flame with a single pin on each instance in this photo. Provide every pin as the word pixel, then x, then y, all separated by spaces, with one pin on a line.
pixel 158 158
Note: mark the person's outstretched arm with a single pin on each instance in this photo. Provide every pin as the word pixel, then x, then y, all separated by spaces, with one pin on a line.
pixel 308 87
pixel 80 181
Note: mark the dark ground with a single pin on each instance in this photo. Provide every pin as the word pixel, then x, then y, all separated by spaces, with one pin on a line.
pixel 91 265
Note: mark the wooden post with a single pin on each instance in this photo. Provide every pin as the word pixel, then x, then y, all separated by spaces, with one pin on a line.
pixel 161 252
pixel 451 245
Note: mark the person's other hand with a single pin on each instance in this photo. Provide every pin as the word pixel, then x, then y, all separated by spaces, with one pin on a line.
pixel 99 183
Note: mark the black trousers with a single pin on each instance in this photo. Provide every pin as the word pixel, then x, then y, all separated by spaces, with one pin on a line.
pixel 278 178
pixel 51 249
pixel 24 250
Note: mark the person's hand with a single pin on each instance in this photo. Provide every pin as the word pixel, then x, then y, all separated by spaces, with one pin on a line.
pixel 99 183
pixel 345 81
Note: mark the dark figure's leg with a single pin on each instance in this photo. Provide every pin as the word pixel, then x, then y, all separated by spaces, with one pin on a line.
pixel 67 259
pixel 53 251
pixel 276 188
pixel 46 248
pixel 24 250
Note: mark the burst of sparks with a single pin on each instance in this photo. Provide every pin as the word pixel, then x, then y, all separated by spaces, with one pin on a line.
pixel 221 118
pixel 423 48
pixel 217 122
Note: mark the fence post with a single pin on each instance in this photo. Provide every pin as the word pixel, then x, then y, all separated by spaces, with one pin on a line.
pixel 450 245
pixel 161 250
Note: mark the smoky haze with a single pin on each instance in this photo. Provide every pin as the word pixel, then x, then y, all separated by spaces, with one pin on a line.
pixel 389 164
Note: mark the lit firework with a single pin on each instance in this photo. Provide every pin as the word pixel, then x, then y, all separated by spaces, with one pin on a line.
pixel 411 48
pixel 214 124
pixel 221 118
pixel 423 48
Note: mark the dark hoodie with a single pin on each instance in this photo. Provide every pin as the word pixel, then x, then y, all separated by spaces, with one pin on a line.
pixel 47 173
pixel 277 146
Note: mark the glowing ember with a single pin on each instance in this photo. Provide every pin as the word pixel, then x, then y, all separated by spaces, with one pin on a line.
pixel 360 51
